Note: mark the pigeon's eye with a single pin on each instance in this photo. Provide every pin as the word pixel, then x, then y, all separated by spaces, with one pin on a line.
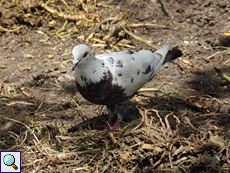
pixel 85 54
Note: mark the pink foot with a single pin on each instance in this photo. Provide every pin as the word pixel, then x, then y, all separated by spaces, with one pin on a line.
pixel 115 126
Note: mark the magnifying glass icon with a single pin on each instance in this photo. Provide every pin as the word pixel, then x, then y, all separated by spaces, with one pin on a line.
pixel 9 160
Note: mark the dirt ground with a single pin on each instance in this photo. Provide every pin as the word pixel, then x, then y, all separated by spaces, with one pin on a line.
pixel 181 127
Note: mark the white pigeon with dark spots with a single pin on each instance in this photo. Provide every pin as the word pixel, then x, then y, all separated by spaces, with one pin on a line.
pixel 113 79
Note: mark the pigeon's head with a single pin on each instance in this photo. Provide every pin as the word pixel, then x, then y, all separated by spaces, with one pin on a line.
pixel 81 54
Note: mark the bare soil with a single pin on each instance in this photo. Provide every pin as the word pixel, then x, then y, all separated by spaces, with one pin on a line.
pixel 42 114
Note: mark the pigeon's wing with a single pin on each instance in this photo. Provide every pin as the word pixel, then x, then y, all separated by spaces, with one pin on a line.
pixel 131 69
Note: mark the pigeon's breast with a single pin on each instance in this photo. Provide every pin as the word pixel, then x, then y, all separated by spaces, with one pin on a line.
pixel 104 92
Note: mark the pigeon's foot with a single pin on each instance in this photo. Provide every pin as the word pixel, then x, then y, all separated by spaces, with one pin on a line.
pixel 115 126
pixel 110 124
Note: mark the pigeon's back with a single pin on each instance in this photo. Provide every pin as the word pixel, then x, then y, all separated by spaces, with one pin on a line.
pixel 131 69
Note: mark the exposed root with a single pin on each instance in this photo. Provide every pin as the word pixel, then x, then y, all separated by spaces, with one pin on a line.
pixel 202 102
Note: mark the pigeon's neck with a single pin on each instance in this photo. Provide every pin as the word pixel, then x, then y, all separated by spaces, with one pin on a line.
pixel 90 72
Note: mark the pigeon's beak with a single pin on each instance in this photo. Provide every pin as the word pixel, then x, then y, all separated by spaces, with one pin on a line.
pixel 75 63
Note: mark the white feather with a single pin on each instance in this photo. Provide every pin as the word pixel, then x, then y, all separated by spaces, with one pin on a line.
pixel 129 74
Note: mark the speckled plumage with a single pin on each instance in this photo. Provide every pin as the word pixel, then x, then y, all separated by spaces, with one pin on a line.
pixel 112 79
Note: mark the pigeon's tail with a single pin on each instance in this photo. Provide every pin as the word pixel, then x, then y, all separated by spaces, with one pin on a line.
pixel 159 57
pixel 163 50
pixel 173 54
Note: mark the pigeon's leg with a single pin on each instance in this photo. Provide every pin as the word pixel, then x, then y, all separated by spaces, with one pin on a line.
pixel 109 124
pixel 111 110
pixel 122 110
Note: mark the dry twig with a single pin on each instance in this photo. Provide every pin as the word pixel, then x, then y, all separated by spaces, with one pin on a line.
pixel 137 37
pixel 7 30
pixel 67 17
pixel 149 25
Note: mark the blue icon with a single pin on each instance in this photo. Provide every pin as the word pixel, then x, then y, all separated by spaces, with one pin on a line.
pixel 9 160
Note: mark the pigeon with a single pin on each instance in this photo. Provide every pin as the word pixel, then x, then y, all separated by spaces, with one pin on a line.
pixel 113 79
